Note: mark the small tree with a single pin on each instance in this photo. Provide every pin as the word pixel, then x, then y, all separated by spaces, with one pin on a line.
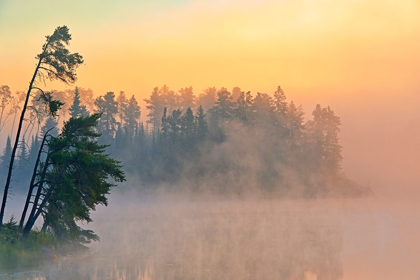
pixel 76 109
pixel 55 62
pixel 201 124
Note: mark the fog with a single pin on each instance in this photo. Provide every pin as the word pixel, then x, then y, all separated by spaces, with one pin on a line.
pixel 178 237
pixel 188 236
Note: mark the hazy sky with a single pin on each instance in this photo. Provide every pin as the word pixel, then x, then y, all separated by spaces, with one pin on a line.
pixel 361 57
pixel 302 45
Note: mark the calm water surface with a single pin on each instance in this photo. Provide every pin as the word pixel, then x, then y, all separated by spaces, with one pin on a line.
pixel 261 239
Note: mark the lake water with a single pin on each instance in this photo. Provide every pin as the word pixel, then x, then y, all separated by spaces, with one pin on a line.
pixel 175 238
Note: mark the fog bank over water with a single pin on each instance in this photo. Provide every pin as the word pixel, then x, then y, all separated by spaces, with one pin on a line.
pixel 365 238
pixel 179 236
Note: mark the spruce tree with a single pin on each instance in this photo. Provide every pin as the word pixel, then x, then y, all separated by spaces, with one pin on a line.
pixel 131 116
pixel 77 110
pixel 107 106
pixel 5 158
pixel 201 124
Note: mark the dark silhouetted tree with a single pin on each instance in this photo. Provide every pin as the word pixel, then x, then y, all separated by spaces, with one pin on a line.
pixel 76 109
pixel 132 116
pixel 107 125
pixel 55 62
pixel 201 124
pixel 155 106
pixel 5 158
pixel 72 181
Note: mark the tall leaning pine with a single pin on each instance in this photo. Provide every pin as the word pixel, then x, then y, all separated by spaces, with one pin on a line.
pixel 55 62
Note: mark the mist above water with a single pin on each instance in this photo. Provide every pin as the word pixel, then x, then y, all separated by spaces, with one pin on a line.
pixel 175 237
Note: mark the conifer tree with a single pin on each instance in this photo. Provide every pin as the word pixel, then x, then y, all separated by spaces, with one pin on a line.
pixel 262 110
pixel 132 116
pixel 122 106
pixel 108 108
pixel 5 98
pixel 186 98
pixel 243 110
pixel 5 158
pixel 155 106
pixel 76 109
pixel 188 128
pixel 55 62
pixel 281 110
pixel 72 181
pixel 295 127
pixel 207 98
pixel 50 125
pixel 201 124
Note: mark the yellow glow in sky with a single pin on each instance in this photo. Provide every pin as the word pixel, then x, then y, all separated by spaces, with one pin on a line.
pixel 302 45
pixel 361 57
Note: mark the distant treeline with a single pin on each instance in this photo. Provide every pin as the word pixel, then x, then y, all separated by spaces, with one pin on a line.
pixel 220 142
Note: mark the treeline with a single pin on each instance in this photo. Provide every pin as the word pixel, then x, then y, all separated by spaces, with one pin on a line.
pixel 220 141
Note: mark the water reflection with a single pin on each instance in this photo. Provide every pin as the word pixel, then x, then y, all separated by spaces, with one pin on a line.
pixel 209 241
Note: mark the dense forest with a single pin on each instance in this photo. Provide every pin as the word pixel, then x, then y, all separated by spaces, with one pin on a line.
pixel 221 141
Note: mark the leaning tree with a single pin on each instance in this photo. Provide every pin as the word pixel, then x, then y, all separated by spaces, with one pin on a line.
pixel 71 181
pixel 55 62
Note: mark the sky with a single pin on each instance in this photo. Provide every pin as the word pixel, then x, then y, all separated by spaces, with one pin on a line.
pixel 360 57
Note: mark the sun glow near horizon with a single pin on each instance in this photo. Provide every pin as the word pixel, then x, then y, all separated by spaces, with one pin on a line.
pixel 302 45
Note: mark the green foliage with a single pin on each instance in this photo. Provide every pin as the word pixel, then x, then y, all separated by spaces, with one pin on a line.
pixel 58 62
pixel 83 171
pixel 16 252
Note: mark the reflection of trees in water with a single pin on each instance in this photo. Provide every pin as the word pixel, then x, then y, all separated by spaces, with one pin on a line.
pixel 219 242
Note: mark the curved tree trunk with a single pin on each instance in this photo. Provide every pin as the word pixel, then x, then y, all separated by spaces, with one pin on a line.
pixel 15 146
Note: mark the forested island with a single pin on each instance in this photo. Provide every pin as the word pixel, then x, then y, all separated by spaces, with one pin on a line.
pixel 71 148
pixel 226 142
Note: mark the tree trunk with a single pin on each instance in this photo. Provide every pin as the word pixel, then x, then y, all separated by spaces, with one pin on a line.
pixel 31 185
pixel 36 211
pixel 15 146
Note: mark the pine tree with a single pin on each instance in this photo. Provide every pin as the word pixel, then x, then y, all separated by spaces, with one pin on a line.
pixel 73 181
pixel 243 110
pixel 5 98
pixel 107 125
pixel 51 126
pixel 170 98
pixel 236 92
pixel 295 127
pixel 281 111
pixel 5 158
pixel 207 98
pixel 77 110
pixel 186 98
pixel 188 128
pixel 132 116
pixel 262 110
pixel 122 107
pixel 201 124
pixel 35 145
pixel 23 165
pixel 155 106
pixel 332 149
pixel 323 140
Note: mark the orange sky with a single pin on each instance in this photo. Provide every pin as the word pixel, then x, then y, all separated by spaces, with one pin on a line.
pixel 302 45
pixel 361 57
